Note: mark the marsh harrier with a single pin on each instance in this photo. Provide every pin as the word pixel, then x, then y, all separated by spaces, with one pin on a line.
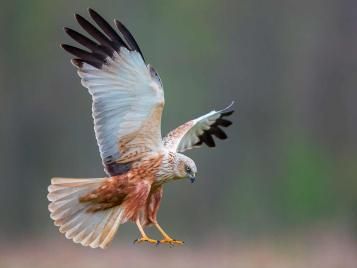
pixel 128 100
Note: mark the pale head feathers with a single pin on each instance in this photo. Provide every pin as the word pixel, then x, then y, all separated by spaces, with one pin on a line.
pixel 184 166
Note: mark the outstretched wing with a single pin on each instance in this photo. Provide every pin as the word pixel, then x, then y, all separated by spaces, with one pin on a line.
pixel 198 131
pixel 127 94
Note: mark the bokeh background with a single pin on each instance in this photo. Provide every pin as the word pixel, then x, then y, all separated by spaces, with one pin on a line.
pixel 281 192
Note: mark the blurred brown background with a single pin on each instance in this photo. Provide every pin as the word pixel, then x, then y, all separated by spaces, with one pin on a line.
pixel 281 192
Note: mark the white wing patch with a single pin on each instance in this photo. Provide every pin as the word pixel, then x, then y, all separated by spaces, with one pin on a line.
pixel 124 95
pixel 127 94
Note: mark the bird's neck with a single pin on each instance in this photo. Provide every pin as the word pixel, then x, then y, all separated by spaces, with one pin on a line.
pixel 167 170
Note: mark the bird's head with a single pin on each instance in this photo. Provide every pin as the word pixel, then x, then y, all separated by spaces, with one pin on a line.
pixel 185 168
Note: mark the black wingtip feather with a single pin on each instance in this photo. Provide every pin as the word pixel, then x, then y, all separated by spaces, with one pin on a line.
pixel 107 29
pixel 94 59
pixel 86 42
pixel 228 113
pixel 129 38
pixel 207 136
pixel 219 133
pixel 77 62
pixel 106 40
pixel 78 17
pixel 96 34
pixel 223 122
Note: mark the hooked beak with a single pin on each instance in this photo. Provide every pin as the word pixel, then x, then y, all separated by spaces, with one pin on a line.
pixel 192 178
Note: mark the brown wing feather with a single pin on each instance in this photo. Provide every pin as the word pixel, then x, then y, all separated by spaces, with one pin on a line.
pixel 129 190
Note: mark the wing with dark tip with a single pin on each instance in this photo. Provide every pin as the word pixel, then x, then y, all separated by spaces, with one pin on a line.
pixel 128 37
pixel 199 131
pixel 127 96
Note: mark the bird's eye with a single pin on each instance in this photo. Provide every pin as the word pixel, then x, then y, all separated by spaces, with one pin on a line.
pixel 188 169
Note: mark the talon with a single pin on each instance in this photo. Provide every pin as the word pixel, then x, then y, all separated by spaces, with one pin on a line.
pixel 172 242
pixel 146 239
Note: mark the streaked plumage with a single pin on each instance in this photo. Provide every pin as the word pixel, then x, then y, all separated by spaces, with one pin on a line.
pixel 128 101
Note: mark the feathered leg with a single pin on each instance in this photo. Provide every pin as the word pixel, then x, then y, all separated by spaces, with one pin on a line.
pixel 152 208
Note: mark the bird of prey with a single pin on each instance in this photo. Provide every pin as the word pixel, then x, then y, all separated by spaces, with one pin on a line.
pixel 127 103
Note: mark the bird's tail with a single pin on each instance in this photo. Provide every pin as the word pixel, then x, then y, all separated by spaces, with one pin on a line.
pixel 88 228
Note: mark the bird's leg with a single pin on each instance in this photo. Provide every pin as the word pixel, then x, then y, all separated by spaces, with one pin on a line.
pixel 144 237
pixel 167 239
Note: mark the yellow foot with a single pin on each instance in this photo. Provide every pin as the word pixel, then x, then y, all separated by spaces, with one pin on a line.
pixel 147 239
pixel 171 242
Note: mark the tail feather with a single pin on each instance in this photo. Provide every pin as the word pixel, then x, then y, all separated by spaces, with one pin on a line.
pixel 94 229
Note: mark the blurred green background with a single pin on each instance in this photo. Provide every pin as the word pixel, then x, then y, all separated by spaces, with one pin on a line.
pixel 285 179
